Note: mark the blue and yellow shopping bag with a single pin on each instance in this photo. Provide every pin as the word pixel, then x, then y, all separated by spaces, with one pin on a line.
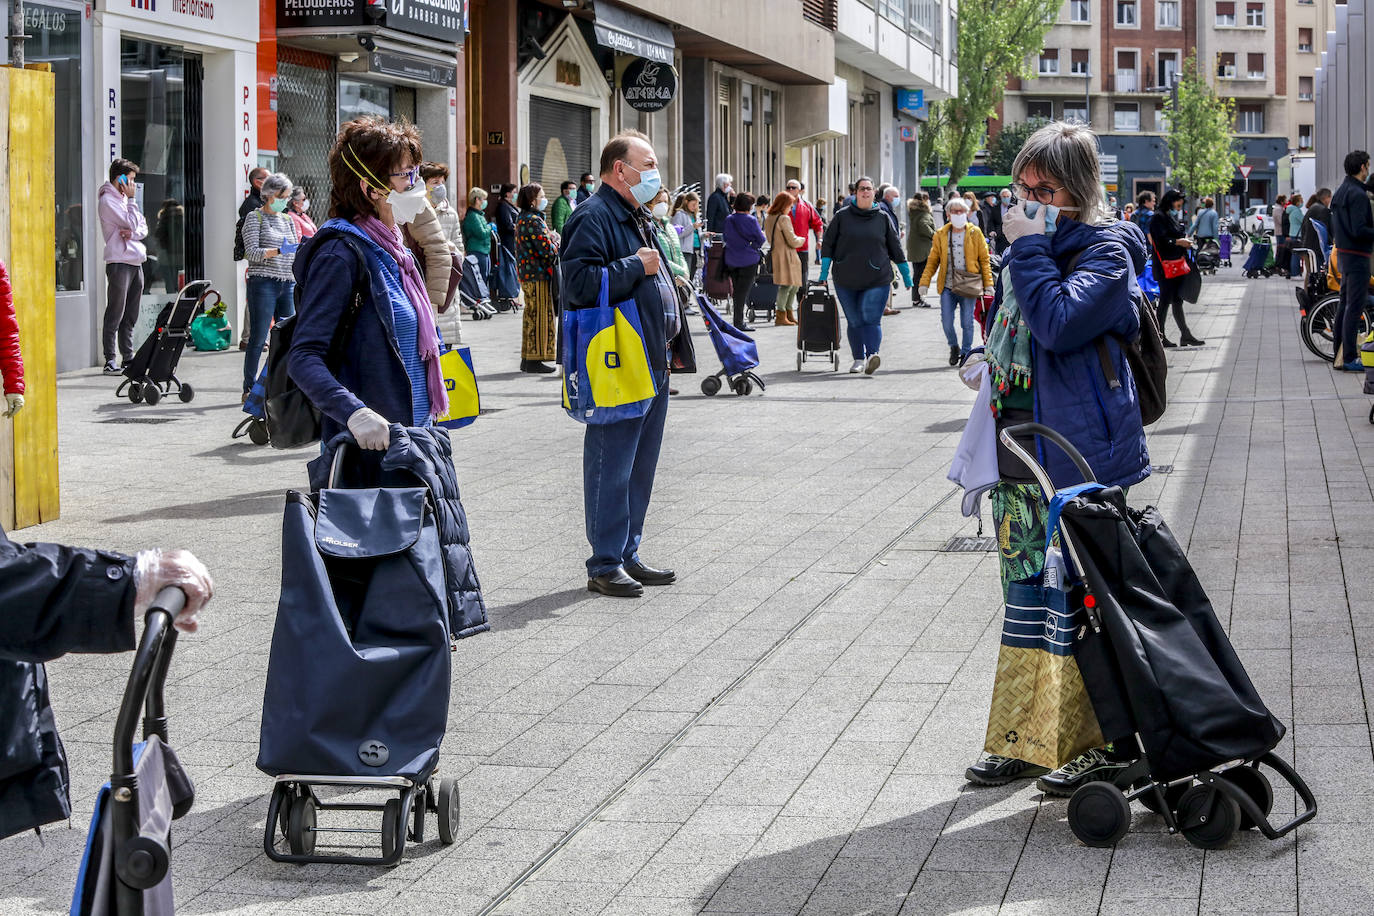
pixel 464 403
pixel 606 374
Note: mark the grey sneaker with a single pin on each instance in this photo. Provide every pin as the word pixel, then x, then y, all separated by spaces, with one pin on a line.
pixel 1092 766
pixel 996 770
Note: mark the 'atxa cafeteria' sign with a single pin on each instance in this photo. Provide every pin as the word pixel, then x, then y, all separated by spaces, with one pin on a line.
pixel 442 20
pixel 648 85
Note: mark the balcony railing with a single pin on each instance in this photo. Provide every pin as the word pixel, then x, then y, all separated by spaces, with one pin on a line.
pixel 1125 81
pixel 821 12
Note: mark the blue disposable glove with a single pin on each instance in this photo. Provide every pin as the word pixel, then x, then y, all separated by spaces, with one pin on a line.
pixel 904 268
pixel 825 270
pixel 289 247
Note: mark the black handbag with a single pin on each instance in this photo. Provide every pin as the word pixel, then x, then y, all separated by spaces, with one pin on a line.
pixel 1190 284
pixel 682 353
pixel 292 420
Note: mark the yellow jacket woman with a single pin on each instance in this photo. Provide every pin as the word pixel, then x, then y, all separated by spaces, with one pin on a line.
pixel 962 269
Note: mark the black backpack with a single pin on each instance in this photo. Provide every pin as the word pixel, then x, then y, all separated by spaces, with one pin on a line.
pixel 239 253
pixel 292 420
pixel 1144 354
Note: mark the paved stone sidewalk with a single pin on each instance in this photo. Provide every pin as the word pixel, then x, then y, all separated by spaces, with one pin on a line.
pixel 785 730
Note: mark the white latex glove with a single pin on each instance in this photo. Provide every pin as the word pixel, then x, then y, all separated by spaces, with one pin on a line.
pixel 156 569
pixel 370 429
pixel 923 291
pixel 13 404
pixel 1018 223
pixel 988 291
pixel 972 371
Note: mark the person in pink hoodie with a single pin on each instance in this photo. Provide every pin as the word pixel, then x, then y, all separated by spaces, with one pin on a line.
pixel 123 227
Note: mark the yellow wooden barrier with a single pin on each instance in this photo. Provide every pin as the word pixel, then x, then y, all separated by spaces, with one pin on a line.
pixel 31 490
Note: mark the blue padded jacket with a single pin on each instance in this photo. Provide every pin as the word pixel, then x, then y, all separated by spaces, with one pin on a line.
pixel 1066 315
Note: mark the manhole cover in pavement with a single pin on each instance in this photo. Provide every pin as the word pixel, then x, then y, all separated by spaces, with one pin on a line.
pixel 1161 469
pixel 146 421
pixel 965 544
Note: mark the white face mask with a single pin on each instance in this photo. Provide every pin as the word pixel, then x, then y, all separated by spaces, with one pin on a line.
pixel 660 210
pixel 957 220
pixel 543 204
pixel 305 206
pixel 406 205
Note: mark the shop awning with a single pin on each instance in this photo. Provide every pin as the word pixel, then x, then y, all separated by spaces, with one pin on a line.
pixel 630 33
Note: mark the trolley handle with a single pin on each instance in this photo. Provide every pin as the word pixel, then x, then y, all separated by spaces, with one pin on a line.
pixel 148 677
pixel 1008 437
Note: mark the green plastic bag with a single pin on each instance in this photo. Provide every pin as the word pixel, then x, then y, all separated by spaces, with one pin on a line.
pixel 210 333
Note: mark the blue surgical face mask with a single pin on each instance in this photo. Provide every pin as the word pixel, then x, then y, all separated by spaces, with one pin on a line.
pixel 648 187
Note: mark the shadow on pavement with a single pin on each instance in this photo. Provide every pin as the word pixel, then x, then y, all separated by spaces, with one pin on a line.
pixel 264 502
pixel 514 616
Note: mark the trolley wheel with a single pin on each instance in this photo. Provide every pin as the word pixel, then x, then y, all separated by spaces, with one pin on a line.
pixel 1171 796
pixel 710 385
pixel 1208 817
pixel 799 360
pixel 151 393
pixel 136 392
pixel 742 386
pixel 257 432
pixel 283 808
pixel 417 815
pixel 1256 785
pixel 1099 814
pixel 186 393
pixel 300 825
pixel 449 805
pixel 392 827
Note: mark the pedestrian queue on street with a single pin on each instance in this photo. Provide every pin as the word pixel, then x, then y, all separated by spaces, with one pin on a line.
pixel 961 266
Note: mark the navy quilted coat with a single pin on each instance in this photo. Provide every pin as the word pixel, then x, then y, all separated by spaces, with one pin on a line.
pixel 428 454
pixel 1066 315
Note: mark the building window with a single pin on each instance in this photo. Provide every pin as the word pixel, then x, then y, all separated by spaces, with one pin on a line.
pixel 1166 65
pixel 1304 136
pixel 1127 78
pixel 1254 66
pixel 1080 11
pixel 892 9
pixel 1040 108
pixel 924 17
pixel 1126 116
pixel 1049 62
pixel 1304 89
pixel 54 38
pixel 1254 15
pixel 1078 64
pixel 1304 41
pixel 1126 12
pixel 1167 14
pixel 1226 12
pixel 954 38
pixel 1226 65
pixel 1250 119
pixel 1076 112
pixel 1161 119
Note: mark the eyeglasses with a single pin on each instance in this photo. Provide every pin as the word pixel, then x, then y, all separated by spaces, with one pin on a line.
pixel 864 190
pixel 409 175
pixel 793 188
pixel 1044 194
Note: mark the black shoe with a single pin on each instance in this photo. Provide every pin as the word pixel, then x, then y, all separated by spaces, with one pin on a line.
pixel 615 584
pixel 534 365
pixel 954 355
pixel 647 575
pixel 997 770
pixel 1191 342
pixel 1093 766
pixel 1168 343
pixel 745 327
pixel 113 368
pixel 922 304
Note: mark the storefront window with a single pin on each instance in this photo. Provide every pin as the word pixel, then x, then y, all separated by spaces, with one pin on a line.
pixel 306 112
pixel 55 39
pixel 159 121
pixel 358 98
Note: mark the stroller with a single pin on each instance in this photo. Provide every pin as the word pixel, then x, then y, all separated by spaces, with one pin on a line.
pixel 1158 666
pixel 358 678
pixel 126 867
pixel 1208 257
pixel 473 291
pixel 152 372
pixel 738 353
pixel 818 325
pixel 1260 262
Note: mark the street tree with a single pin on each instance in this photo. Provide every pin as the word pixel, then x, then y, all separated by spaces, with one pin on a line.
pixel 996 41
pixel 1002 149
pixel 1202 151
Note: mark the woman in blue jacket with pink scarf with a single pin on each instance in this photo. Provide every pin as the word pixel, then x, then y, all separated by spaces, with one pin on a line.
pixel 389 371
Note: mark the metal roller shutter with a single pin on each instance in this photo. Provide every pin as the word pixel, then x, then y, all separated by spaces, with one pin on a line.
pixel 560 143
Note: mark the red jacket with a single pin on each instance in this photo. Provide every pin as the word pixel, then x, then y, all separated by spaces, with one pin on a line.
pixel 806 220
pixel 11 361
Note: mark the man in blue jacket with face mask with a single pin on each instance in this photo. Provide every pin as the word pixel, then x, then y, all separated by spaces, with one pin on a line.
pixel 612 233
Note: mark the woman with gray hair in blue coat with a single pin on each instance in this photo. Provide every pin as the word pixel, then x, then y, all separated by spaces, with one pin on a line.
pixel 1072 271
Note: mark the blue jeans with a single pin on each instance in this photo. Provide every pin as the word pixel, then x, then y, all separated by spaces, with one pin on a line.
pixel 618 464
pixel 948 303
pixel 863 314
pixel 268 298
